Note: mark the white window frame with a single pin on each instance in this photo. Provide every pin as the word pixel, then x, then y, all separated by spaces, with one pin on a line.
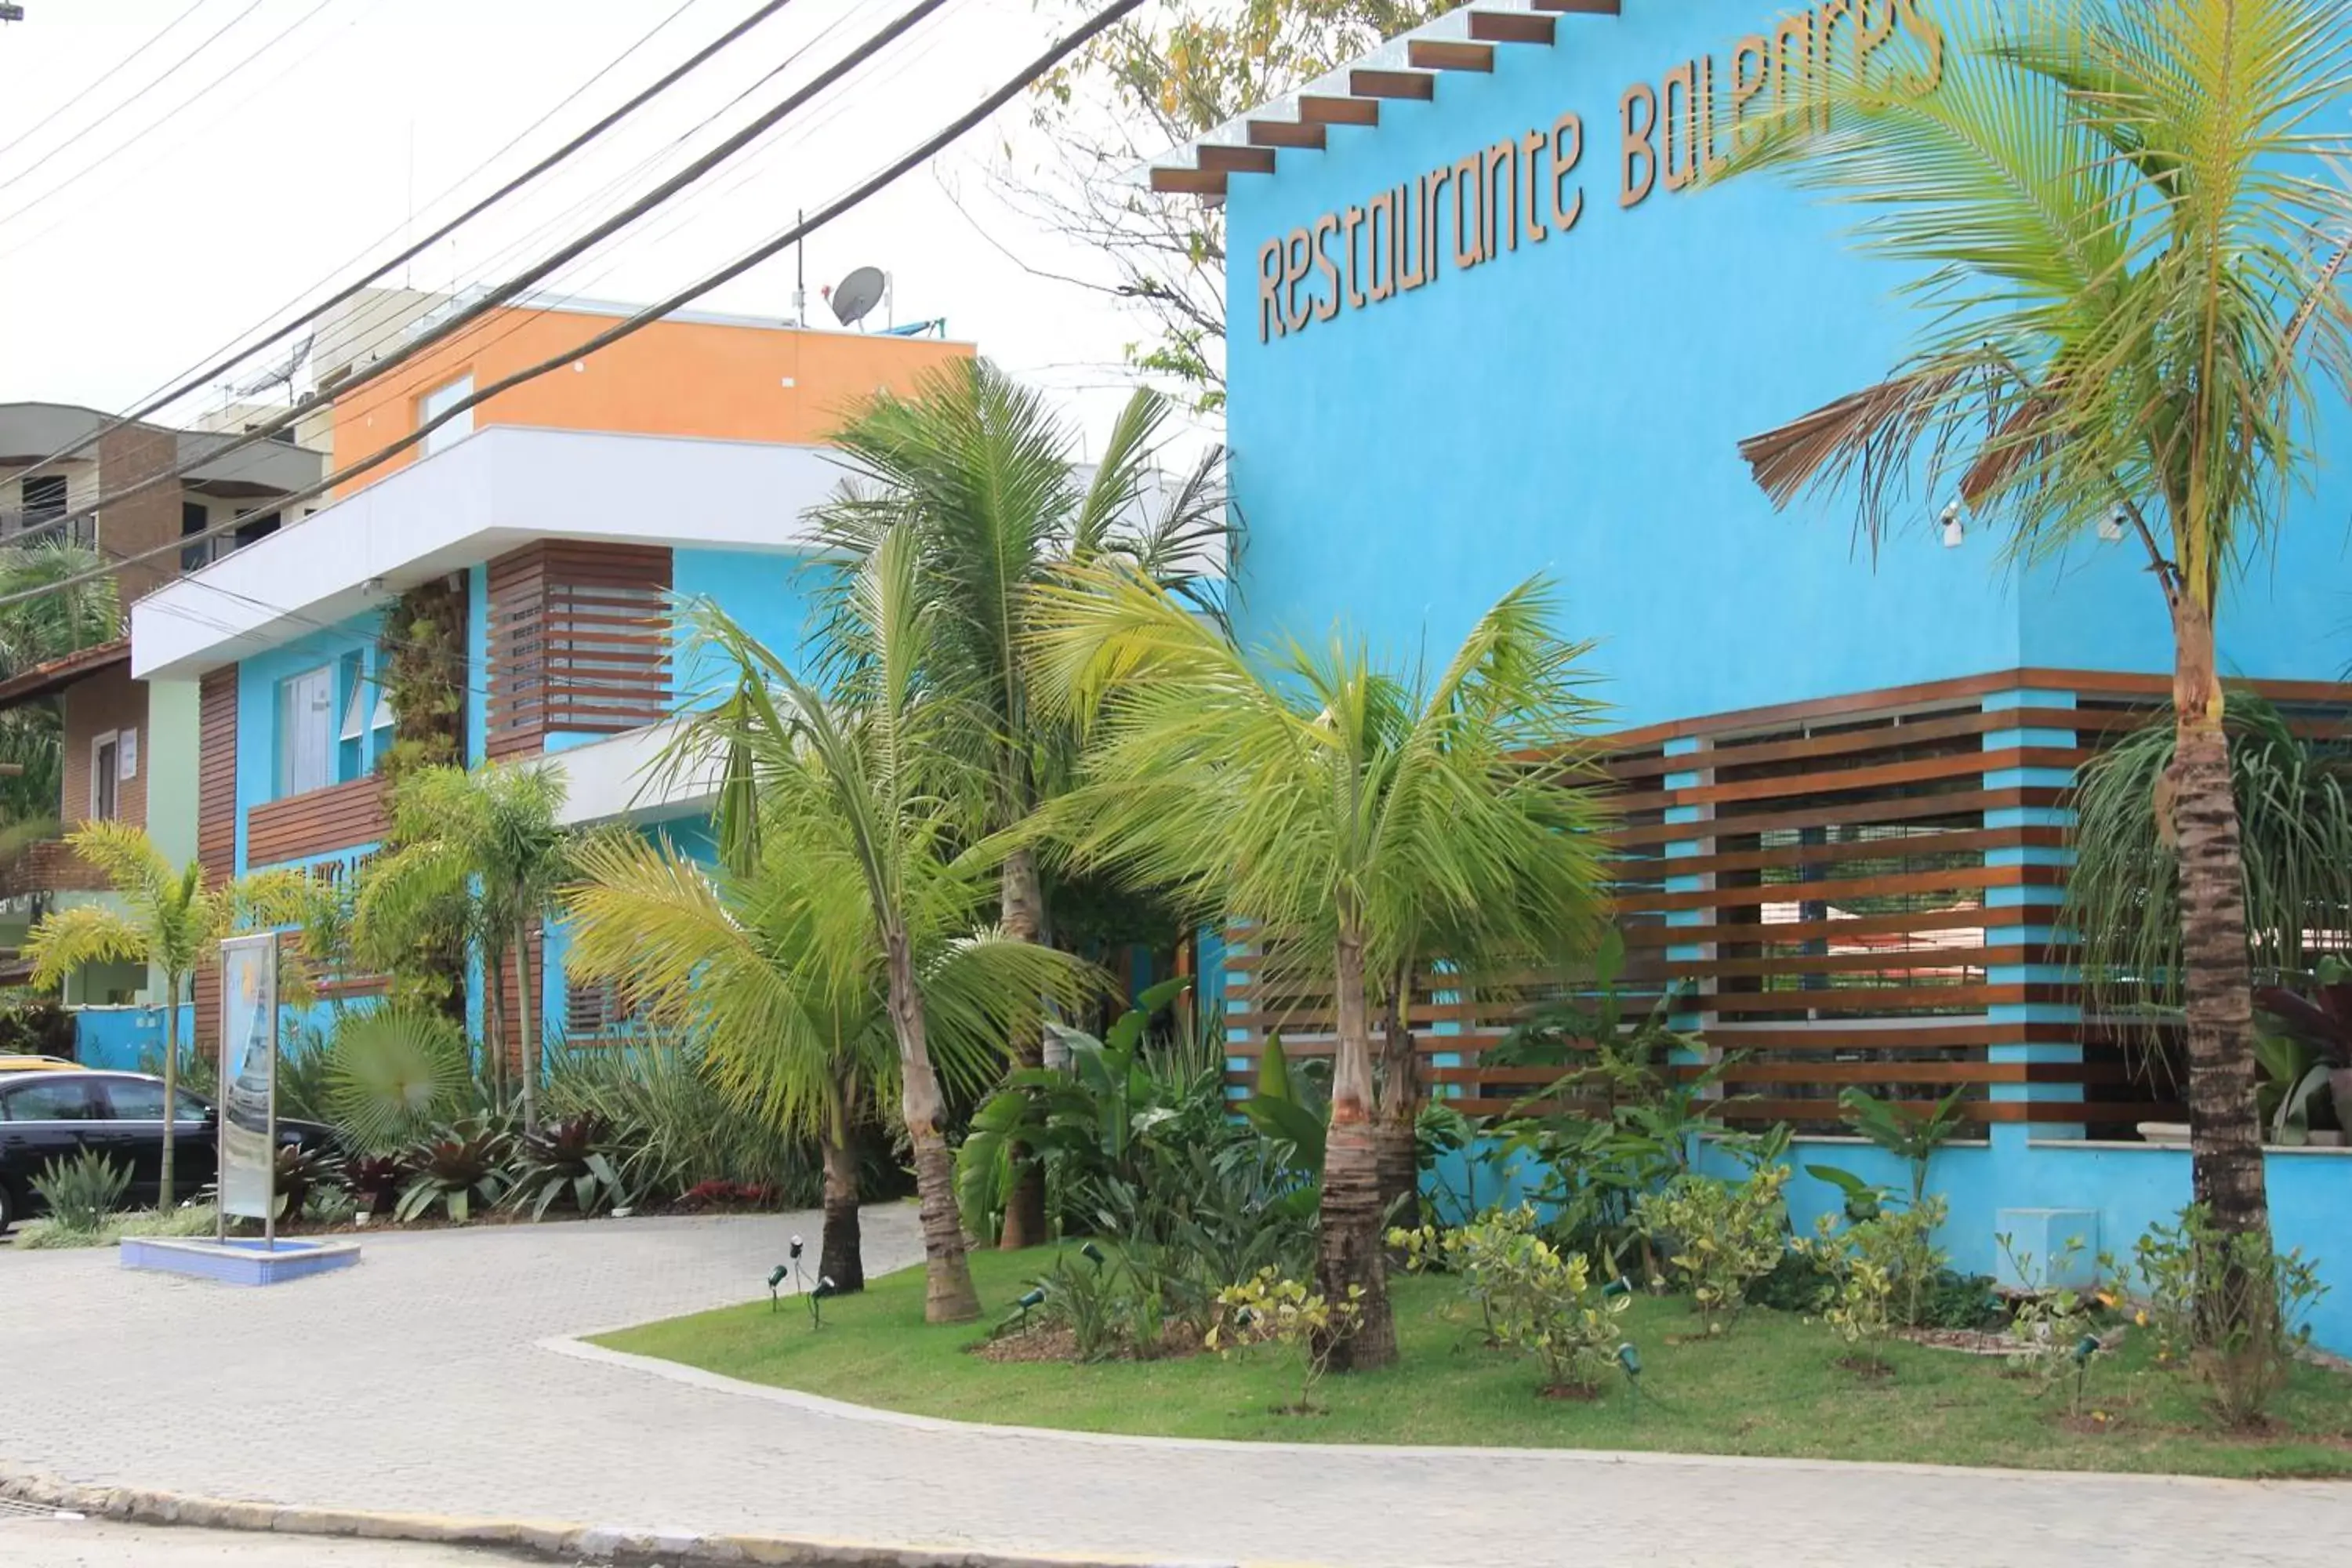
pixel 440 398
pixel 111 773
pixel 288 722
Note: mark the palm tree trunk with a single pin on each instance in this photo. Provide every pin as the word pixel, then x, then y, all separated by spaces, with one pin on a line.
pixel 948 1293
pixel 494 1023
pixel 839 1258
pixel 1396 1147
pixel 526 1014
pixel 171 1087
pixel 1348 1249
pixel 1024 913
pixel 2224 1130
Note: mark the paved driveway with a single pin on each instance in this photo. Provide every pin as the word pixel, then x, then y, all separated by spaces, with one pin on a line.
pixel 416 1382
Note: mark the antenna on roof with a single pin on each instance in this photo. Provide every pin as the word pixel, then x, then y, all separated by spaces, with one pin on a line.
pixel 858 295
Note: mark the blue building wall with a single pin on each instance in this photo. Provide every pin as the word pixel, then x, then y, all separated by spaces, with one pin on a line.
pixel 1573 407
pixel 769 596
pixel 345 646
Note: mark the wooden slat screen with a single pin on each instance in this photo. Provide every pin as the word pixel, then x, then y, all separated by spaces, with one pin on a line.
pixel 1854 871
pixel 215 820
pixel 316 822
pixel 579 641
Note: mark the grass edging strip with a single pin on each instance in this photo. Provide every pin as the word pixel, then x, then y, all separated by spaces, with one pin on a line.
pixel 606 1544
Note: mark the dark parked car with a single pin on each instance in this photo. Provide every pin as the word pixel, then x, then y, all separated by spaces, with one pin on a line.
pixel 46 1116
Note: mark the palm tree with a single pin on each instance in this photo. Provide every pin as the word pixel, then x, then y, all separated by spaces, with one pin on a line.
pixel 2129 250
pixel 867 790
pixel 170 922
pixel 1363 818
pixel 985 480
pixel 794 1029
pixel 2294 805
pixel 60 616
pixel 487 842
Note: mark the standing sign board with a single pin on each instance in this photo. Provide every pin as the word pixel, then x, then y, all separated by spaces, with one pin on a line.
pixel 248 1077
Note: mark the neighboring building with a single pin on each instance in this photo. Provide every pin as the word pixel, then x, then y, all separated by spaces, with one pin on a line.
pixel 681 462
pixel 1484 323
pixel 128 748
pixel 248 484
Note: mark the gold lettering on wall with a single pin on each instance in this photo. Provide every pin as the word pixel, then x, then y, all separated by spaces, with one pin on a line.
pixel 1296 249
pixel 1674 132
pixel 1380 245
pixel 1423 199
pixel 1352 221
pixel 1531 147
pixel 1329 305
pixel 1637 151
pixel 1751 68
pixel 1269 284
pixel 1678 127
pixel 1567 152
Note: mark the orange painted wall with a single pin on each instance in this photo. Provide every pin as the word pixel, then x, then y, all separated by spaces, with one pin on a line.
pixel 674 378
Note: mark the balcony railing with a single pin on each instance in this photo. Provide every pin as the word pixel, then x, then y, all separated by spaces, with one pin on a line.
pixel 38 522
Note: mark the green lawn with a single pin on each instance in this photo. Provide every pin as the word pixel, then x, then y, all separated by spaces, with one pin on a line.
pixel 1773 1387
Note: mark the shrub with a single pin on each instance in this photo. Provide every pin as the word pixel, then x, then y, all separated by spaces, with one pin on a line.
pixel 672 1129
pixel 2053 1333
pixel 2242 1334
pixel 392 1074
pixel 1716 1237
pixel 571 1159
pixel 1883 1272
pixel 329 1204
pixel 36 1026
pixel 457 1165
pixel 1532 1298
pixel 374 1181
pixel 1269 1310
pixel 83 1191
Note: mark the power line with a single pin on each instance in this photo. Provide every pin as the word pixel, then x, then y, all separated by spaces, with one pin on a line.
pixel 175 69
pixel 661 85
pixel 531 275
pixel 104 77
pixel 956 129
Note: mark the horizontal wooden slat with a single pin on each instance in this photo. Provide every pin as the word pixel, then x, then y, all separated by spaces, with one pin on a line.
pixel 1511 27
pixel 1448 54
pixel 315 823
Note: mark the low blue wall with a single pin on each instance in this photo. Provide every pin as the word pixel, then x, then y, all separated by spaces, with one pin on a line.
pixel 2129 1187
pixel 119 1038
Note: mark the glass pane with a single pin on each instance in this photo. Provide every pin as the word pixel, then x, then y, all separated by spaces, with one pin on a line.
pixel 135 1100
pixel 66 1101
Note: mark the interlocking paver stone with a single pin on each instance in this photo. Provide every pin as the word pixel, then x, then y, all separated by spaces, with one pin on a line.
pixel 418 1382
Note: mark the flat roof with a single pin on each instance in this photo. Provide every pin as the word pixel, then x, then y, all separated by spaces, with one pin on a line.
pixel 1406 67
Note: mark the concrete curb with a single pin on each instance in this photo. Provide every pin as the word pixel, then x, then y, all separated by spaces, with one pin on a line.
pixel 601 1544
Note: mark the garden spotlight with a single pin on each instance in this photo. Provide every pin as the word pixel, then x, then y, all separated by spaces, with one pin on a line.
pixel 1093 1255
pixel 1033 1297
pixel 824 1286
pixel 797 1245
pixel 1621 1285
pixel 775 1280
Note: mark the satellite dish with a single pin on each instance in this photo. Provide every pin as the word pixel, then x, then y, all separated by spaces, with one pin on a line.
pixel 857 294
pixel 280 373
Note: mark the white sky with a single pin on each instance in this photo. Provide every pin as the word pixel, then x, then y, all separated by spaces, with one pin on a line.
pixel 212 202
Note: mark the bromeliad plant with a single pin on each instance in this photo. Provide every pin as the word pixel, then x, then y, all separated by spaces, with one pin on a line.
pixel 570 1160
pixel 83 1191
pixel 1716 1237
pixel 464 1163
pixel 2311 1027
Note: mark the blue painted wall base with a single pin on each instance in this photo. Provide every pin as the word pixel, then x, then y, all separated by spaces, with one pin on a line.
pixel 2128 1186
